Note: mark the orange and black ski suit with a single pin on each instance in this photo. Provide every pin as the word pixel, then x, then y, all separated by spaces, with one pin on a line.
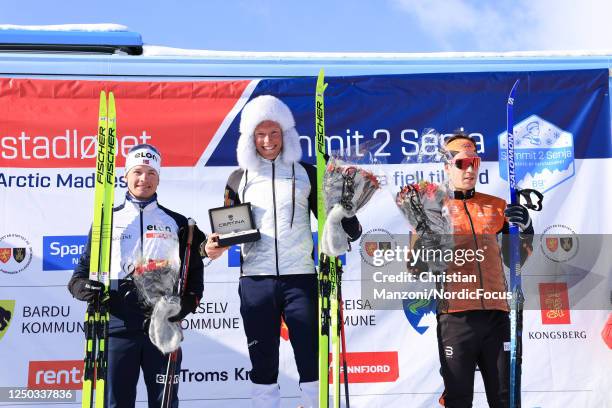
pixel 474 330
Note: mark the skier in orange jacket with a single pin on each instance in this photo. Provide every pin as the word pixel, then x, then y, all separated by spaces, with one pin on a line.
pixel 475 330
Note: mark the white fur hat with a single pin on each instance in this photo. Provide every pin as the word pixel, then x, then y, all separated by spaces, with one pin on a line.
pixel 262 108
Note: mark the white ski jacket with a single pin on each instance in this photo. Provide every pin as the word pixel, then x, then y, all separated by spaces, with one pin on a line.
pixel 279 196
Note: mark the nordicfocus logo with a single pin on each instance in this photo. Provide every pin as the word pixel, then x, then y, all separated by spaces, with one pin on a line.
pixel 55 375
pixel 370 367
pixel 15 253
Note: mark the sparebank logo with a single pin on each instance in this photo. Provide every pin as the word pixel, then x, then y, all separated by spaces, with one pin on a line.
pixel 7 309
pixel 544 154
pixel 417 310
pixel 15 253
pixel 55 375
pixel 62 252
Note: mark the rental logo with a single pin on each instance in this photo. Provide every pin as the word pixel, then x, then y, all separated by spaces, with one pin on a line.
pixel 55 375
pixel 62 252
pixel 54 122
pixel 370 367
pixel 554 303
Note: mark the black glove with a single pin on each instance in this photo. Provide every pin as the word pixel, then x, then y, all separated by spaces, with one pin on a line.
pixel 519 215
pixel 352 227
pixel 88 290
pixel 189 303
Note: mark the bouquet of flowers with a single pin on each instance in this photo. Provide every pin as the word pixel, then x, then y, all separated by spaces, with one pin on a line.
pixel 423 205
pixel 347 189
pixel 155 281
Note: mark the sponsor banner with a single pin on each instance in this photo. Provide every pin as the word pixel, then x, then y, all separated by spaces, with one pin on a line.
pixel 554 301
pixel 7 310
pixel 53 122
pixel 370 367
pixel 570 108
pixel 15 253
pixel 46 171
pixel 62 252
pixel 55 375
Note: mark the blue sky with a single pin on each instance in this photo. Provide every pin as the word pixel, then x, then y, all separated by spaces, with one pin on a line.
pixel 334 25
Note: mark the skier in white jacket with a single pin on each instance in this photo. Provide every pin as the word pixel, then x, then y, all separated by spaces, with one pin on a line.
pixel 278 277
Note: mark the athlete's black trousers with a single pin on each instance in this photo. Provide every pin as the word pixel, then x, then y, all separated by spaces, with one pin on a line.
pixel 468 339
pixel 263 299
pixel 127 354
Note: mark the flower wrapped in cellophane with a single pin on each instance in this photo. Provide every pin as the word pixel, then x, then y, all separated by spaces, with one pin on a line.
pixel 424 206
pixel 347 188
pixel 155 280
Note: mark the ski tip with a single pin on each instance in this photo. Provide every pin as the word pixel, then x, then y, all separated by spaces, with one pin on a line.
pixel 102 94
pixel 321 85
pixel 111 108
pixel 191 222
pixel 516 83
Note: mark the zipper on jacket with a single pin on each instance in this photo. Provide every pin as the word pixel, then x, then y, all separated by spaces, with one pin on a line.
pixel 141 234
pixel 475 243
pixel 275 221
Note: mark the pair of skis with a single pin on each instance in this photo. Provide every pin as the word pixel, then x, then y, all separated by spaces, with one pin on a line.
pixel 331 320
pixel 97 314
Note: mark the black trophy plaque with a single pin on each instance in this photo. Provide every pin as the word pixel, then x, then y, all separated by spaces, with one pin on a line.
pixel 233 224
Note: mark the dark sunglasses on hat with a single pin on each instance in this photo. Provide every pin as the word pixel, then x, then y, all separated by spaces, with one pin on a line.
pixel 466 162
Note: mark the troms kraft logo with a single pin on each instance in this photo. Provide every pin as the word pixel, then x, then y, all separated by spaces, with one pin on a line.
pixel 554 303
pixel 55 375
pixel 7 310
pixel 15 253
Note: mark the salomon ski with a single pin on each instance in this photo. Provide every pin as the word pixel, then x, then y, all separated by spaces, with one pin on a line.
pixel 516 305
